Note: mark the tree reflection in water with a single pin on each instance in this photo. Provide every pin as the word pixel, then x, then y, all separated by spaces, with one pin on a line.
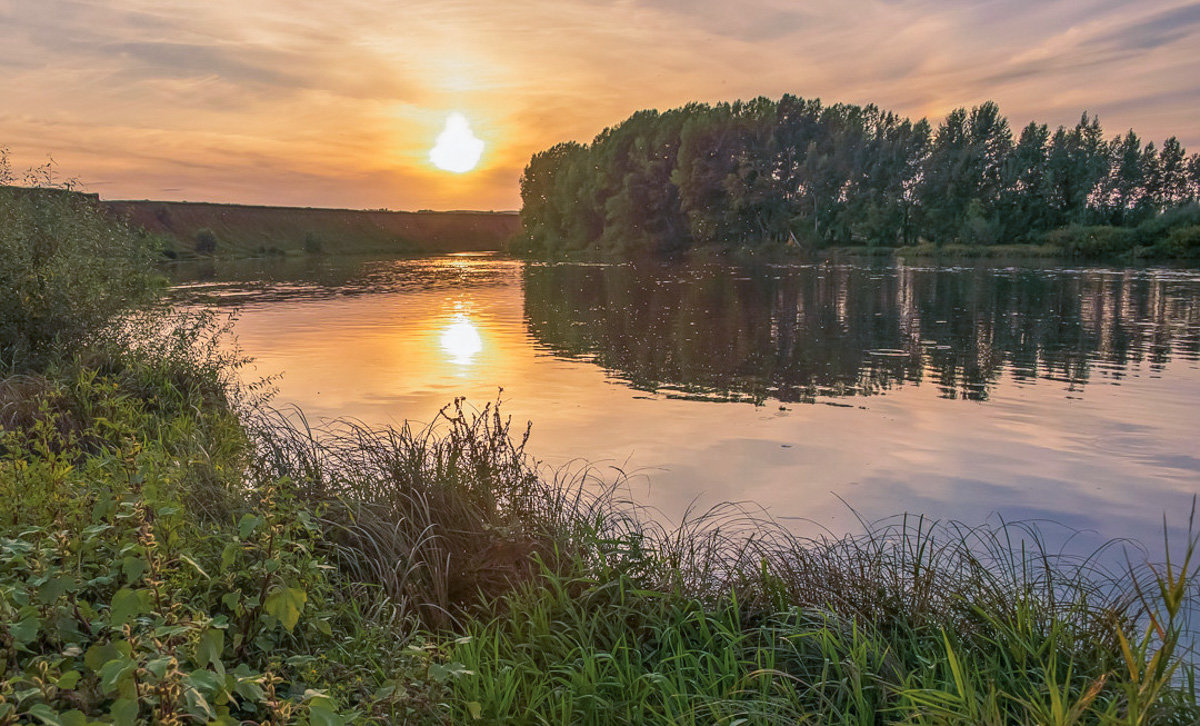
pixel 801 333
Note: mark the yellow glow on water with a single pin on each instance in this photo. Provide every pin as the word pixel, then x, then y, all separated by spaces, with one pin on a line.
pixel 457 149
pixel 461 340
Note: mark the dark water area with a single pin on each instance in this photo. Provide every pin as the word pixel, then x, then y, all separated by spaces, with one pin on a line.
pixel 1065 395
pixel 803 334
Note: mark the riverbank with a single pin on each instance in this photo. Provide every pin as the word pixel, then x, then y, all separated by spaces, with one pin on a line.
pixel 243 230
pixel 174 550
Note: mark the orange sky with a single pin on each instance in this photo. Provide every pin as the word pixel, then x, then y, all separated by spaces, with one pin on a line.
pixel 337 103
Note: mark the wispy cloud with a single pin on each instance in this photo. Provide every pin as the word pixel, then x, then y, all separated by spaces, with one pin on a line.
pixel 306 102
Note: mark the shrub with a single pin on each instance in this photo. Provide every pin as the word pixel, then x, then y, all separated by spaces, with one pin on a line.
pixel 312 244
pixel 978 228
pixel 67 269
pixel 1099 241
pixel 206 242
pixel 1183 242
pixel 1158 228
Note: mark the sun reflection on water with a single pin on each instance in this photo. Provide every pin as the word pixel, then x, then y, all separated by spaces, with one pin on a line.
pixel 461 340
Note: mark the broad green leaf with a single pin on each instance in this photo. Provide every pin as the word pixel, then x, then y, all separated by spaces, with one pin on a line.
pixel 249 689
pixel 124 712
pixel 170 631
pixel 133 568
pixel 55 587
pixel 286 604
pixel 126 606
pixel 74 717
pixel 102 653
pixel 158 666
pixel 25 630
pixel 385 692
pixel 192 562
pixel 321 713
pixel 68 680
pixel 247 524
pixel 197 704
pixel 210 648
pixel 116 673
pixel 229 554
pixel 476 709
pixel 45 714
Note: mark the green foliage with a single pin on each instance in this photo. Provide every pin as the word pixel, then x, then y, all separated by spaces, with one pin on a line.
pixel 67 270
pixel 788 175
pixel 139 579
pixel 1092 242
pixel 435 517
pixel 205 242
pixel 312 244
pixel 1183 242
pixel 890 628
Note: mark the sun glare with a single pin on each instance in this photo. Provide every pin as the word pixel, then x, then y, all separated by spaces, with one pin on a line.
pixel 457 149
pixel 461 340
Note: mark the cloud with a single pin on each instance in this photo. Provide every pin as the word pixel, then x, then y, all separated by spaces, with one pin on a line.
pixel 307 102
pixel 1160 30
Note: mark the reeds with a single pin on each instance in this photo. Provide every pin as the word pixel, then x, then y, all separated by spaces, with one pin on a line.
pixel 578 603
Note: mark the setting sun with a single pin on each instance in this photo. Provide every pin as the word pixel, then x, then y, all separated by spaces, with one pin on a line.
pixel 461 340
pixel 457 149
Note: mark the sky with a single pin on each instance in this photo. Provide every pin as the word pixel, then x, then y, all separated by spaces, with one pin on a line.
pixel 338 103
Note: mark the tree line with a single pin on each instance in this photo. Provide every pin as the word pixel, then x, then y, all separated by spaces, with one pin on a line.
pixel 799 173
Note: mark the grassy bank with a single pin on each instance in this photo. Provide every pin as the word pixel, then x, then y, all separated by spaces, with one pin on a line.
pixel 174 551
pixel 242 230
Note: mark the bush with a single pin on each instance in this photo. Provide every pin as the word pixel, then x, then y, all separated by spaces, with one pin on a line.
pixel 312 244
pixel 1159 227
pixel 1182 242
pixel 67 270
pixel 1090 242
pixel 206 242
pixel 978 228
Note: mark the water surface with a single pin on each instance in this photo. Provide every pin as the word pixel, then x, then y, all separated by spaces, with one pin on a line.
pixel 1071 395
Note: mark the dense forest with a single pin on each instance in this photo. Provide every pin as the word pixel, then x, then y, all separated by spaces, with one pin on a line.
pixel 795 172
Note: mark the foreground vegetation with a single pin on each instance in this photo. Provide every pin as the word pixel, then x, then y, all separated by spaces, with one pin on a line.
pixel 767 176
pixel 172 551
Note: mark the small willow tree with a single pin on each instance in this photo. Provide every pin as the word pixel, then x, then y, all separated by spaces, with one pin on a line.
pixel 67 270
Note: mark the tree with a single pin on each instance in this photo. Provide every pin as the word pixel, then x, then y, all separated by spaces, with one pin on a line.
pixel 750 173
pixel 1123 197
pixel 964 175
pixel 1023 206
pixel 1076 164
pixel 206 242
pixel 1170 186
pixel 67 269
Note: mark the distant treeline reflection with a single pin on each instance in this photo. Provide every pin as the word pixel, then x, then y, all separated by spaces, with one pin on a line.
pixel 799 333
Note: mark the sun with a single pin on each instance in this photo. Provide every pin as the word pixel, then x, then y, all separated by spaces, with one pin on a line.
pixel 457 148
pixel 461 340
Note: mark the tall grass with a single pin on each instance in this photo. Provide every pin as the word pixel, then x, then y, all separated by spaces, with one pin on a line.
pixel 578 607
pixel 437 516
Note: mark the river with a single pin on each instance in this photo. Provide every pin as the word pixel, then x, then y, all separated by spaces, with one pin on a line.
pixel 822 393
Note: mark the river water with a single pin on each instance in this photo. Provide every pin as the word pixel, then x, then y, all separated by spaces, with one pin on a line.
pixel 822 393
